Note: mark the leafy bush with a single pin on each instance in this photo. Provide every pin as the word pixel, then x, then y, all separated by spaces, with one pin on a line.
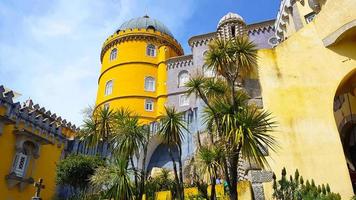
pixel 162 182
pixel 75 170
pixel 296 189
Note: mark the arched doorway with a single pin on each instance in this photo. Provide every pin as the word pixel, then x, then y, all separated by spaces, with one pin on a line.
pixel 161 159
pixel 345 117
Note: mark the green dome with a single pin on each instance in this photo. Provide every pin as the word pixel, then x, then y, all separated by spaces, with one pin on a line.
pixel 144 23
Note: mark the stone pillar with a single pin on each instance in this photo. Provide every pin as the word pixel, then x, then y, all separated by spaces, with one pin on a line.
pixel 257 178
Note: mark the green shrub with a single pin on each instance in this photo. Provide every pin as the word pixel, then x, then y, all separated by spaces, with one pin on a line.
pixel 75 170
pixel 295 188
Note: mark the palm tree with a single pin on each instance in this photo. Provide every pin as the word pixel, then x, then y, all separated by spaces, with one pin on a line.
pixel 233 59
pixel 98 127
pixel 241 127
pixel 208 163
pixel 128 137
pixel 171 131
pixel 114 180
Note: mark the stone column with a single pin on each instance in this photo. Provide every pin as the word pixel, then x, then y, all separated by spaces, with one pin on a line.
pixel 257 178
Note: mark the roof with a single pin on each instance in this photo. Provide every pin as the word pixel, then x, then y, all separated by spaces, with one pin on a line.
pixel 144 23
pixel 230 17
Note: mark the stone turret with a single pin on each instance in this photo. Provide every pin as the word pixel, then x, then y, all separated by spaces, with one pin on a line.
pixel 231 25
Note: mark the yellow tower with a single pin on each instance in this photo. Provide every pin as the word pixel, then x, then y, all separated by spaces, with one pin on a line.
pixel 133 73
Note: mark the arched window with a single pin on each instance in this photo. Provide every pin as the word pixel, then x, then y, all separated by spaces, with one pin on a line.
pixel 183 100
pixel 148 105
pixel 113 54
pixel 183 78
pixel 150 84
pixel 151 50
pixel 23 158
pixel 108 87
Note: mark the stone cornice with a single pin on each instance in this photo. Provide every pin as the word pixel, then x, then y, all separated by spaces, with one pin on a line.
pixel 180 61
pixel 145 36
pixel 261 27
pixel 198 40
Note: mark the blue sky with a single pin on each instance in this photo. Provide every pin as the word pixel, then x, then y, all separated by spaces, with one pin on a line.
pixel 49 50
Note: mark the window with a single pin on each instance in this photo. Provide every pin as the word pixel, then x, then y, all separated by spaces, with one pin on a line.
pixel 151 50
pixel 20 164
pixel 150 84
pixel 310 17
pixel 183 100
pixel 106 106
pixel 113 54
pixel 148 105
pixel 108 88
pixel 233 31
pixel 183 78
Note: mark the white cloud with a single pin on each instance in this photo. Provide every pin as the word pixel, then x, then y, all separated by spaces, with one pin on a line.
pixel 51 52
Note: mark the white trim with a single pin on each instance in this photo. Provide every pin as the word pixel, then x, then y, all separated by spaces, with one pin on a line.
pixel 147 88
pixel 151 52
pixel 107 90
pixel 112 56
pixel 149 101
pixel 183 100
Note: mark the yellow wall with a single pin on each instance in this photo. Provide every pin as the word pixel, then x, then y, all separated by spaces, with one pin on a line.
pixel 43 167
pixel 299 79
pixel 129 70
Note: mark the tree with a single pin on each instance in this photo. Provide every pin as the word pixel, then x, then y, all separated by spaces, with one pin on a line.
pixel 129 137
pixel 114 180
pixel 242 128
pixel 75 170
pixel 171 131
pixel 208 163
pixel 98 127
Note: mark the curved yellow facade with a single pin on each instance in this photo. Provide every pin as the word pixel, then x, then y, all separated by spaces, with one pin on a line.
pixel 131 67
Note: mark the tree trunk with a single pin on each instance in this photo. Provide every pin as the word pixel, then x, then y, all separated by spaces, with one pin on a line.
pixel 198 138
pixel 213 183
pixel 181 172
pixel 133 166
pixel 143 172
pixel 175 173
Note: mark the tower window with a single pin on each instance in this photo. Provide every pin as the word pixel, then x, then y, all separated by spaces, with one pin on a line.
pixel 151 50
pixel 183 78
pixel 108 87
pixel 183 100
pixel 233 31
pixel 148 105
pixel 113 54
pixel 150 84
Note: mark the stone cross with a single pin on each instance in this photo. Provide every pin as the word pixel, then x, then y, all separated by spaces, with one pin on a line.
pixel 38 185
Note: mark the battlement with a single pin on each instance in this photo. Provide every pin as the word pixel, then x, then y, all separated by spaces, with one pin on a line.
pixel 33 116
pixel 180 61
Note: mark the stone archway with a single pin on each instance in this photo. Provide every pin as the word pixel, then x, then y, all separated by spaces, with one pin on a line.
pixel 345 118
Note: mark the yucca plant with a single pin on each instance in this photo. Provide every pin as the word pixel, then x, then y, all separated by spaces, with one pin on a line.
pixel 171 130
pixel 114 180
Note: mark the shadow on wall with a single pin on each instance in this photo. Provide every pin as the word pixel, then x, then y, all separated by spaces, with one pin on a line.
pixel 345 44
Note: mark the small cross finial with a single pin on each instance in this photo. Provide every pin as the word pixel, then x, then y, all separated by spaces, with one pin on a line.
pixel 39 186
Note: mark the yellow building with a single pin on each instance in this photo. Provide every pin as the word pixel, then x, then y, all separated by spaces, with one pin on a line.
pixel 32 140
pixel 133 73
